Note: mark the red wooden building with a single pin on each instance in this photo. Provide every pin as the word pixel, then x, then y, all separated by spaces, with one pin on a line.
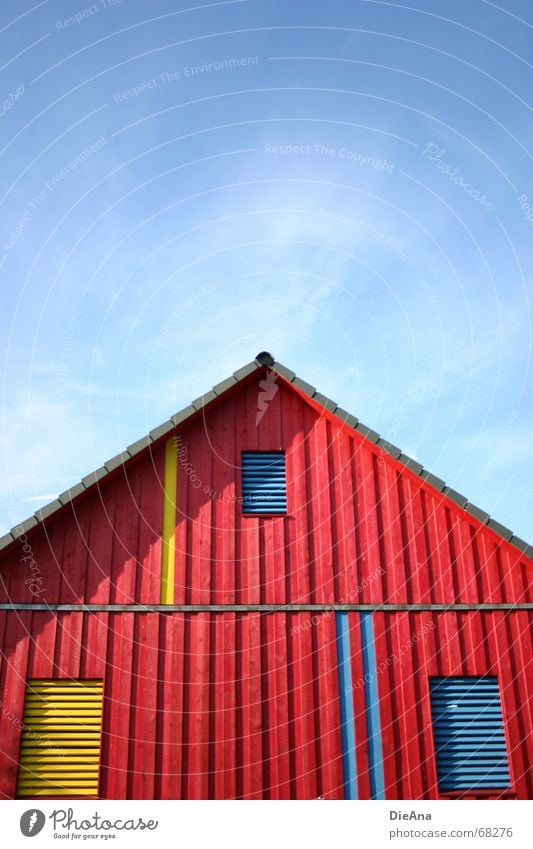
pixel 263 599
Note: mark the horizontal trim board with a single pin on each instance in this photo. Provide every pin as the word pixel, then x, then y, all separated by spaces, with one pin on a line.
pixel 264 608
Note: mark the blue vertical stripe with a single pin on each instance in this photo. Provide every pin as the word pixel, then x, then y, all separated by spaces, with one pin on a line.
pixel 375 752
pixel 346 701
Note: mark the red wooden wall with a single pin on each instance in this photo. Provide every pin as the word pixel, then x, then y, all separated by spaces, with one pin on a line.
pixel 411 647
pixel 196 706
pixel 225 705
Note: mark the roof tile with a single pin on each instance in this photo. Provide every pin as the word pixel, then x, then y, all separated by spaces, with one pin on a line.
pixel 284 372
pixel 92 477
pixel 500 529
pixel 182 415
pixel 523 546
pixel 47 510
pixel 411 463
pixel 69 494
pixel 366 431
pixel 477 513
pixel 117 461
pixel 391 449
pixel 6 540
pixel 24 527
pixel 325 402
pixel 455 496
pixel 304 386
pixel 243 372
pixel 162 430
pixel 346 417
pixel 433 480
pixel 200 402
pixel 224 385
pixel 139 445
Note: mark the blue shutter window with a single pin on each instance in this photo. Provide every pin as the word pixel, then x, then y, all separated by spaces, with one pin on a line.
pixel 469 733
pixel 264 489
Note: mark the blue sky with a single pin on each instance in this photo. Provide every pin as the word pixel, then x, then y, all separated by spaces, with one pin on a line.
pixel 347 185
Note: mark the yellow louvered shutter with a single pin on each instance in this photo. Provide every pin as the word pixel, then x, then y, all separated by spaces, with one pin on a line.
pixel 61 738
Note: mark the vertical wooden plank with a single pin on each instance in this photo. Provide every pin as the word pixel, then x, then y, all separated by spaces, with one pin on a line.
pixel 275 701
pixel 302 698
pixel 145 688
pixel 198 708
pixel 42 645
pixel 230 707
pixel 94 642
pixel 347 555
pixel 34 564
pixel 385 638
pixel 424 666
pixel 439 554
pixel 254 773
pixel 272 536
pixel 101 533
pixel 328 707
pixel 319 510
pixel 373 589
pixel 388 507
pixel 447 552
pixel 510 562
pixel 250 546
pixel 268 727
pixel 249 767
pixel 408 633
pixel 68 645
pixel 224 505
pixel 182 564
pixel 414 541
pixel 491 587
pixel 14 674
pixel 520 640
pixel 217 708
pixel 8 562
pixel 465 566
pixel 118 707
pixel 150 555
pixel 170 707
pixel 7 784
pixel 407 532
pixel 75 557
pixel 503 668
pixel 125 543
pixel 298 578
pixel 200 520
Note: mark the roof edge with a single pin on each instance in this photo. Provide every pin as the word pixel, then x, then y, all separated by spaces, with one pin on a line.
pixel 262 361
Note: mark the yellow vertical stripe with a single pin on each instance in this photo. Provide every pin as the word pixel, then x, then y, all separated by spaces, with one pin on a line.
pixel 169 522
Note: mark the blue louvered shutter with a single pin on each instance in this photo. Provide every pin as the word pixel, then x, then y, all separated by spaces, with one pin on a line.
pixel 469 733
pixel 264 489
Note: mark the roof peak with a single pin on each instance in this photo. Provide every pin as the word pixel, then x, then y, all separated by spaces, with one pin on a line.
pixel 264 358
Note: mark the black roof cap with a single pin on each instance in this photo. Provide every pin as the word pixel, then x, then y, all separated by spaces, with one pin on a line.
pixel 265 358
